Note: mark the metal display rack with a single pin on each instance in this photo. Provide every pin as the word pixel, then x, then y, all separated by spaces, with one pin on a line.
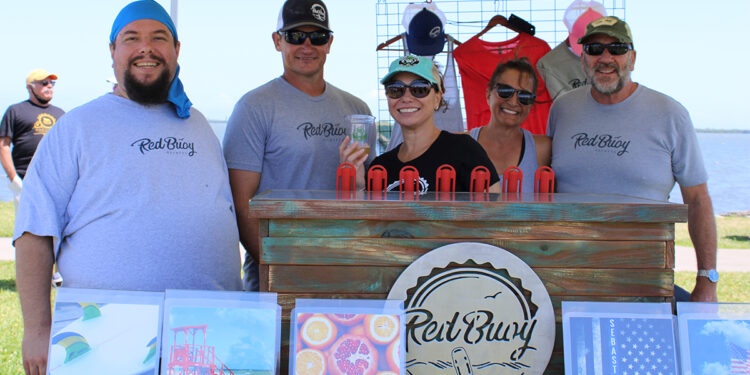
pixel 465 19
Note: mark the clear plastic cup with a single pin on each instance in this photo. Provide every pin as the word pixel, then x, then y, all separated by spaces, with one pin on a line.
pixel 360 130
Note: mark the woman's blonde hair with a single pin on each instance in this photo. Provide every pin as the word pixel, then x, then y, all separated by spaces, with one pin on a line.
pixel 440 84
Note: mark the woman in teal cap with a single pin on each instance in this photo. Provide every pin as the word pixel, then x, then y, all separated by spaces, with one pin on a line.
pixel 414 88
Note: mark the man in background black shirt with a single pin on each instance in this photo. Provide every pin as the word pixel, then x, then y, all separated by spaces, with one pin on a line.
pixel 24 124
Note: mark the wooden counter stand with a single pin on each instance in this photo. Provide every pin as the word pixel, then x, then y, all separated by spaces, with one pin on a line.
pixel 583 247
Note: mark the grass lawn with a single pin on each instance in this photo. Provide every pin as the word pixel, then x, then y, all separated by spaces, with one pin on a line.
pixel 11 327
pixel 7 217
pixel 733 232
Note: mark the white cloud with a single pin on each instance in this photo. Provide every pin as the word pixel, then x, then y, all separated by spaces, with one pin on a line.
pixel 715 368
pixel 737 332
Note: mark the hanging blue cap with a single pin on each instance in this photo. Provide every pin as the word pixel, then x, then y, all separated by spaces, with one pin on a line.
pixel 151 10
pixel 425 35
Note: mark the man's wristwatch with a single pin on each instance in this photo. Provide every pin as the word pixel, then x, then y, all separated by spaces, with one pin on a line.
pixel 711 274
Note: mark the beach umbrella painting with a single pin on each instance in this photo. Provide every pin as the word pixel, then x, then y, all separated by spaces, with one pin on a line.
pixel 113 339
pixel 75 345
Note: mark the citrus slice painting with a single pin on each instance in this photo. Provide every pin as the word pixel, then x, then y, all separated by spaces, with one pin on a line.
pixel 382 329
pixel 318 331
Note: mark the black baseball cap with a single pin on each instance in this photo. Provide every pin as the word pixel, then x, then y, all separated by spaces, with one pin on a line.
pixel 297 13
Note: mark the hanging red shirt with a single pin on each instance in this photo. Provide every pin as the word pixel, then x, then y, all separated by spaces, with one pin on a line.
pixel 477 60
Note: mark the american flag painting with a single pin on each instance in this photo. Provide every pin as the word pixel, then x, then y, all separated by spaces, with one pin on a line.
pixel 622 346
pixel 740 359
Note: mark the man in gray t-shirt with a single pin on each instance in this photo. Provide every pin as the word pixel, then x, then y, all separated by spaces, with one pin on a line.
pixel 286 133
pixel 619 137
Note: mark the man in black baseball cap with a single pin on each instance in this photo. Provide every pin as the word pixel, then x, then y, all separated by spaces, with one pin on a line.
pixel 298 13
pixel 286 133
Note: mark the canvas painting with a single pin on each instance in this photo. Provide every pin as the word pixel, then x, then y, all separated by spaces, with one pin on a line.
pixel 347 337
pixel 714 338
pixel 220 333
pixel 619 338
pixel 105 332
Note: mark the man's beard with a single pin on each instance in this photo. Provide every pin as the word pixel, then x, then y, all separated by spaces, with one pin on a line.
pixel 152 93
pixel 609 88
pixel 41 101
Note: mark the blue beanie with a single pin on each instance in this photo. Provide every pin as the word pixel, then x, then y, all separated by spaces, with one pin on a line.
pixel 151 10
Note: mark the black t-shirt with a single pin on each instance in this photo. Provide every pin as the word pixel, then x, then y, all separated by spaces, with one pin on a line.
pixel 460 151
pixel 26 123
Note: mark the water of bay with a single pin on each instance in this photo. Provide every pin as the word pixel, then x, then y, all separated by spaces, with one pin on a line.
pixel 726 158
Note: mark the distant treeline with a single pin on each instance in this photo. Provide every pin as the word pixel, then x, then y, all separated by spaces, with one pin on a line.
pixel 746 131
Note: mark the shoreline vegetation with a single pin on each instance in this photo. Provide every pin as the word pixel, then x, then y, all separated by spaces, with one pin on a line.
pixel 740 131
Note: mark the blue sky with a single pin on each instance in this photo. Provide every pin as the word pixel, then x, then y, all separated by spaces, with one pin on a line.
pixel 242 337
pixel 709 342
pixel 688 49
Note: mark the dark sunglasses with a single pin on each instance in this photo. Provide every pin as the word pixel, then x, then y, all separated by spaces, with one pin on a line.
pixel 296 37
pixel 596 49
pixel 506 92
pixel 418 88
pixel 45 83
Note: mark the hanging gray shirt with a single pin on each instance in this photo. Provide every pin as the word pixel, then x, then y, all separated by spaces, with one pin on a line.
pixel 561 70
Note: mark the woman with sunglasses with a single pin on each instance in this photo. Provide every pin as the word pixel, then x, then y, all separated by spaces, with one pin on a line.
pixel 414 88
pixel 510 94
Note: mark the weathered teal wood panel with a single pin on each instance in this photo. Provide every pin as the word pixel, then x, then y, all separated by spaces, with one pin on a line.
pixel 468 211
pixel 670 254
pixel 396 251
pixel 561 282
pixel 471 229
pixel 604 282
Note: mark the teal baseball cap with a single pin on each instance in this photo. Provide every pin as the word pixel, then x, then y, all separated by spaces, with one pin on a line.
pixel 420 66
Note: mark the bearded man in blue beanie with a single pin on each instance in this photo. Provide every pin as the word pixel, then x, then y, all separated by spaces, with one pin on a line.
pixel 129 191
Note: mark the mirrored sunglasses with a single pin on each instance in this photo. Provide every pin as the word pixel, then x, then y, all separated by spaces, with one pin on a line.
pixel 296 37
pixel 506 92
pixel 47 82
pixel 418 88
pixel 615 49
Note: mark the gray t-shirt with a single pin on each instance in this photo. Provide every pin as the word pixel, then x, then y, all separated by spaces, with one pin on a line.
pixel 291 138
pixel 561 70
pixel 135 199
pixel 637 147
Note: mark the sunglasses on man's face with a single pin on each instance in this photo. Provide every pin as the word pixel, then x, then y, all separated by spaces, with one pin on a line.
pixel 296 37
pixel 418 88
pixel 46 82
pixel 506 92
pixel 615 49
